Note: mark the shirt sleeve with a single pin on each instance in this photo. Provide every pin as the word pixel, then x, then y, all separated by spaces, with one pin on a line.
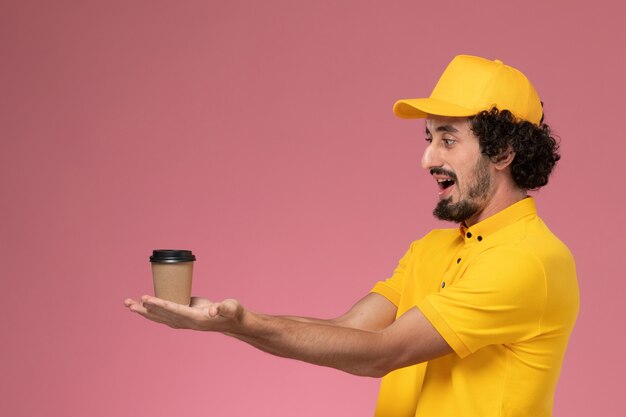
pixel 392 287
pixel 500 299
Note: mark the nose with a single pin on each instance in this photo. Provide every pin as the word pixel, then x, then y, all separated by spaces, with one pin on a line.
pixel 431 158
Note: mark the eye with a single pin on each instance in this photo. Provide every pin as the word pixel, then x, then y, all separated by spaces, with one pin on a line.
pixel 428 139
pixel 448 142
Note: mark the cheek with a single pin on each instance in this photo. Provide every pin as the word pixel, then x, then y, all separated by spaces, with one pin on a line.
pixel 462 177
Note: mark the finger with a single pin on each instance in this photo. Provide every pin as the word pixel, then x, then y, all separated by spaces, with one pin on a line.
pixel 158 304
pixel 129 302
pixel 138 308
pixel 155 309
pixel 214 309
pixel 156 318
pixel 172 313
pixel 154 303
pixel 148 298
pixel 156 313
pixel 160 310
pixel 134 305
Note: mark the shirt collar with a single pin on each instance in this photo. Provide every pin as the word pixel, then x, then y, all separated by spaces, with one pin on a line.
pixel 490 225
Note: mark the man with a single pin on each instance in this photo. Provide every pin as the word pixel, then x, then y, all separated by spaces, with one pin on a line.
pixel 475 320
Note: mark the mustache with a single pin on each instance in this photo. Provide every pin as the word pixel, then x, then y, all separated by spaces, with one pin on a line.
pixel 442 171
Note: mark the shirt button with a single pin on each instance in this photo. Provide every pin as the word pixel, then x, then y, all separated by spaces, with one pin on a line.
pixel 468 235
pixel 479 238
pixel 458 261
pixel 443 284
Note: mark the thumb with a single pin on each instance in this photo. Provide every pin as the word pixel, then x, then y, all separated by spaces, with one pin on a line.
pixel 228 308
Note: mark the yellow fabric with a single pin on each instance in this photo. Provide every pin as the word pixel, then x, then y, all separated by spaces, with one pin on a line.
pixel 471 84
pixel 504 295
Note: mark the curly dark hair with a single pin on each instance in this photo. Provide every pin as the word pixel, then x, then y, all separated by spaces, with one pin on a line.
pixel 536 149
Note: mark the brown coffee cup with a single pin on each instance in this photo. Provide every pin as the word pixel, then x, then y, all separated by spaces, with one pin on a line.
pixel 172 272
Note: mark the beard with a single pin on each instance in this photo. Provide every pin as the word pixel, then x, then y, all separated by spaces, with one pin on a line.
pixel 467 207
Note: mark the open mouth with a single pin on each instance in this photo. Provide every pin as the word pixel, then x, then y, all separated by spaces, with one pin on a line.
pixel 444 184
pixel 445 180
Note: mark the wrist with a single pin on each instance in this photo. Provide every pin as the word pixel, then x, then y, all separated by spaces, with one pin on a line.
pixel 242 323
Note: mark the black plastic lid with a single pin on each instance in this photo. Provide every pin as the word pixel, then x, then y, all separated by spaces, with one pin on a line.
pixel 168 256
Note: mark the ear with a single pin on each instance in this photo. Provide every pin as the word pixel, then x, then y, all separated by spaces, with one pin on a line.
pixel 503 160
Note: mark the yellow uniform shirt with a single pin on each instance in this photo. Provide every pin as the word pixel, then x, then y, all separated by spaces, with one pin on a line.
pixel 504 295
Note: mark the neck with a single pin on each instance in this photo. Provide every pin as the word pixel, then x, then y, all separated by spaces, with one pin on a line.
pixel 498 202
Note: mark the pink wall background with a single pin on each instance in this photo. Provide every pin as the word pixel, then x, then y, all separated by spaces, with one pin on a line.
pixel 260 135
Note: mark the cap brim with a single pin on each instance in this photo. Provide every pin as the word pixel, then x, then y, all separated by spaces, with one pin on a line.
pixel 418 108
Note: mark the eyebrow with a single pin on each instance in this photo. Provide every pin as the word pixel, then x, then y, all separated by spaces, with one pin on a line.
pixel 444 128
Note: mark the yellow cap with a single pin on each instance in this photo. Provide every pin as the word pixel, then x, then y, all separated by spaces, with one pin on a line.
pixel 471 84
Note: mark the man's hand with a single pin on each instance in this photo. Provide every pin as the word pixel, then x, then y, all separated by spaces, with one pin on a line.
pixel 365 341
pixel 201 314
